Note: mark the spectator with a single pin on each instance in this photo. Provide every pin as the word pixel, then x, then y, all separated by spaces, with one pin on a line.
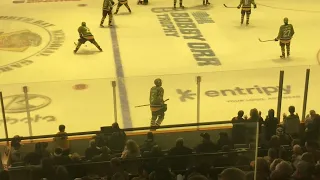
pixel 104 156
pixel 61 140
pixel 148 143
pixel 238 128
pixel 252 126
pixel 303 171
pixel 4 175
pixel 296 153
pixel 198 177
pixel 232 174
pixel 162 172
pixel 40 152
pixel 207 146
pixel 117 140
pixel 312 146
pixel 143 173
pixel 179 163
pixel 283 138
pixel 263 170
pixel 291 123
pixel 308 157
pixel 131 150
pixel 312 123
pixel 92 150
pixel 47 168
pixel 16 155
pixel 317 172
pixel 224 141
pixel 59 158
pixel 272 155
pixel 271 124
pixel 117 170
pixel 62 173
pixel 285 168
pixel 275 144
pixel 274 164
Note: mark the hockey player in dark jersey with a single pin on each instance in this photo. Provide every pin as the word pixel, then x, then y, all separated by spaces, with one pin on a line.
pixel 175 3
pixel 245 6
pixel 157 105
pixel 285 34
pixel 107 10
pixel 85 35
pixel 120 3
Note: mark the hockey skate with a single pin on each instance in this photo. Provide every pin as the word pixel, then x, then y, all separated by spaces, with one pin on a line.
pixel 282 56
pixel 101 25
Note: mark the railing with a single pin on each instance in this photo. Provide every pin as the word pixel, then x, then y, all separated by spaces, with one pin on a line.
pixel 32 109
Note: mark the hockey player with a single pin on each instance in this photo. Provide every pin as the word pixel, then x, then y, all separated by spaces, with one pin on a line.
pixel 180 3
pixel 85 35
pixel 285 34
pixel 107 10
pixel 120 3
pixel 246 9
pixel 206 2
pixel 157 106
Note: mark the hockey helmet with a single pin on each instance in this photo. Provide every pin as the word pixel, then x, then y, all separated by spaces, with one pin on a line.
pixel 286 20
pixel 158 82
pixel 83 24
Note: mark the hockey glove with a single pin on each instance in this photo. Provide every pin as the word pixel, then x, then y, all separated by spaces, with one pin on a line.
pixel 255 6
pixel 239 7
pixel 275 39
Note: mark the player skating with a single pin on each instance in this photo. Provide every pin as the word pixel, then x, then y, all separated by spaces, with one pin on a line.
pixel 157 104
pixel 246 9
pixel 285 34
pixel 85 35
pixel 180 4
pixel 205 2
pixel 120 3
pixel 107 10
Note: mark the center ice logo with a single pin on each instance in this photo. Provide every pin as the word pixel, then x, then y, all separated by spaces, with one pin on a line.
pixel 23 39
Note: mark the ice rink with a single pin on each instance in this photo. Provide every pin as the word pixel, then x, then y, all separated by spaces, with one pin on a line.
pixel 154 41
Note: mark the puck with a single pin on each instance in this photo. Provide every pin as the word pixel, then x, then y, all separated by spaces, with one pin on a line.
pixel 82 5
pixel 80 86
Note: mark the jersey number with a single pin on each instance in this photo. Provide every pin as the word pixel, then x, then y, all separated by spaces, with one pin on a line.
pixel 286 33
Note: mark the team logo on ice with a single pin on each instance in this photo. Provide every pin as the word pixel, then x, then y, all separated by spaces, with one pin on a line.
pixel 23 40
pixel 17 103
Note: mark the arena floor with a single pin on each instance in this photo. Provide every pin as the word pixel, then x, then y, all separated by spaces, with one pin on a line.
pixel 237 71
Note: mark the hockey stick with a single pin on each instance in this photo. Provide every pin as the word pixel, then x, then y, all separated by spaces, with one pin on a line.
pixel 228 6
pixel 77 44
pixel 266 40
pixel 149 104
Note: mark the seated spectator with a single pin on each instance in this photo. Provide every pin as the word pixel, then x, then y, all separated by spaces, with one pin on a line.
pixel 303 171
pixel 285 168
pixel 62 173
pixel 232 174
pixel 117 170
pixel 148 143
pixel 16 155
pixel 224 140
pixel 144 172
pixel 274 143
pixel 274 164
pixel 263 170
pixel 312 124
pixel 59 158
pixel 104 156
pixel 271 124
pixel 312 147
pixel 284 139
pixel 155 152
pixel 162 172
pixel 117 140
pixel 61 140
pixel 291 123
pixel 198 177
pixel 131 150
pixel 179 163
pixel 272 155
pixel 40 152
pixel 238 128
pixel 308 157
pixel 207 146
pixel 316 174
pixel 92 150
pixel 4 175
pixel 296 153
pixel 48 170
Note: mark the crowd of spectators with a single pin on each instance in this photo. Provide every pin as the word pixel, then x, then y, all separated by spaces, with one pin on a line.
pixel 285 153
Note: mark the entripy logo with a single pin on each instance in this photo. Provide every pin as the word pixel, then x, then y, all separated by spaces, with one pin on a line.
pixel 237 91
